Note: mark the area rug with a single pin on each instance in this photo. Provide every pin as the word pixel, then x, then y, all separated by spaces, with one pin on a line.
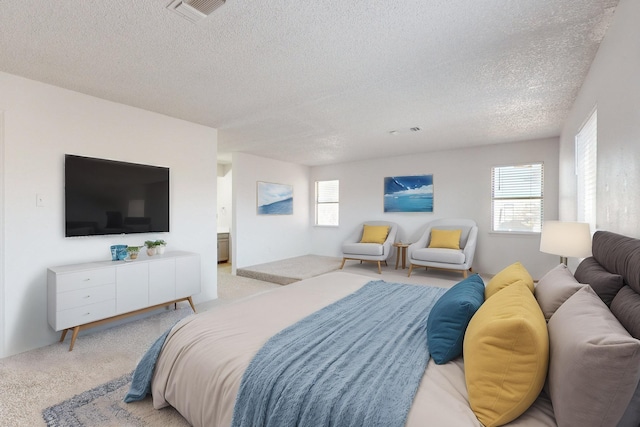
pixel 103 406
pixel 291 270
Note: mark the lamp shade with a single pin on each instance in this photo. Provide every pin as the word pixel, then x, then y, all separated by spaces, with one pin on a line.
pixel 566 239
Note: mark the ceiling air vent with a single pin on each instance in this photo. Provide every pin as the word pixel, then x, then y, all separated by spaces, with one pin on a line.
pixel 194 10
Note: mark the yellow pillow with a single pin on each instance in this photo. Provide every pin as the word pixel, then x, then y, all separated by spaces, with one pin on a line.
pixel 506 355
pixel 446 239
pixel 508 276
pixel 374 233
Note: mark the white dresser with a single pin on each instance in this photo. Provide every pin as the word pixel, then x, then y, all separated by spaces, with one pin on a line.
pixel 80 296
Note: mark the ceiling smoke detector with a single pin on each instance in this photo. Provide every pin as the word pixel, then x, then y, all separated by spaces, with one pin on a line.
pixel 194 10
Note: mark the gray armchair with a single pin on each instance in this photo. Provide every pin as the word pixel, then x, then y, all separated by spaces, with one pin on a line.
pixel 420 254
pixel 352 249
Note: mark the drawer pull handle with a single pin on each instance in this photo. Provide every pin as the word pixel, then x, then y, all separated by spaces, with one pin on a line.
pixel 88 296
pixel 87 313
pixel 86 280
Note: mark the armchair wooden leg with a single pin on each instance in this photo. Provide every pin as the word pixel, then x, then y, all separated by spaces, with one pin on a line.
pixel 342 265
pixel 410 269
pixel 379 268
pixel 464 274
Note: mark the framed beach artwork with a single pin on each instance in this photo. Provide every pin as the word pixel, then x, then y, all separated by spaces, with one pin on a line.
pixel 275 199
pixel 408 193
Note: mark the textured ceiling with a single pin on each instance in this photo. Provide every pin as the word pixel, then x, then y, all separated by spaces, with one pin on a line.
pixel 320 82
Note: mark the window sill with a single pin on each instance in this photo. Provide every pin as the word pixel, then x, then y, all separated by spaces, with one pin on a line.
pixel 516 233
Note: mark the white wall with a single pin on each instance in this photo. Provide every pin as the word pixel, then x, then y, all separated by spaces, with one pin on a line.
pixel 264 238
pixel 462 189
pixel 2 250
pixel 44 122
pixel 613 85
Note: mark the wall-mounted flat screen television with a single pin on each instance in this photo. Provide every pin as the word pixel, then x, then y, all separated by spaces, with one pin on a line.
pixel 111 197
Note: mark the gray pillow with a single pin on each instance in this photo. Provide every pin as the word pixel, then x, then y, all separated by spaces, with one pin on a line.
pixel 626 307
pixel 554 288
pixel 604 283
pixel 631 417
pixel 594 365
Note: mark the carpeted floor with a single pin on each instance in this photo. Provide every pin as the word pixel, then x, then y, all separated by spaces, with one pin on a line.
pixel 34 380
pixel 84 388
pixel 45 377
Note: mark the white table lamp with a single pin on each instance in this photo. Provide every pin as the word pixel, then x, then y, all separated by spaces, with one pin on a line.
pixel 566 239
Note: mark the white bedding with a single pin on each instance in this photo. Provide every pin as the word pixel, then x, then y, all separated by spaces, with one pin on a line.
pixel 202 362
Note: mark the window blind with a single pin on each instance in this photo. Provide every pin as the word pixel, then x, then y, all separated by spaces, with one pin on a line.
pixel 586 170
pixel 517 197
pixel 327 202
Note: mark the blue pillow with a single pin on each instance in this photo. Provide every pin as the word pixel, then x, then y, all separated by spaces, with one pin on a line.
pixel 450 316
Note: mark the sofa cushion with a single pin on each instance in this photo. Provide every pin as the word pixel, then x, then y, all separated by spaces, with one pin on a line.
pixel 554 288
pixel 506 355
pixel 446 256
pixel 605 284
pixel 369 249
pixel 445 239
pixel 374 234
pixel 508 276
pixel 450 316
pixel 596 388
pixel 618 254
pixel 626 307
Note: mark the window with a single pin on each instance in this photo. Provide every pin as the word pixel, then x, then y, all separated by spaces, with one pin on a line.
pixel 586 162
pixel 327 202
pixel 516 198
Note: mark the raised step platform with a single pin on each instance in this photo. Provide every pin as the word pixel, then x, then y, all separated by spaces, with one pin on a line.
pixel 291 270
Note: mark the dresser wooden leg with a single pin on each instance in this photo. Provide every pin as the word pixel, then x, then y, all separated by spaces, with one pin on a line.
pixel 73 337
pixel 63 335
pixel 193 307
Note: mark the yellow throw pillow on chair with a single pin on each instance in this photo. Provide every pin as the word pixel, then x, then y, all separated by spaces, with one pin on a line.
pixel 375 234
pixel 445 239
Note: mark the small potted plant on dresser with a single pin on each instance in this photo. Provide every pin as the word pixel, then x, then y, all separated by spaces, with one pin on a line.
pixel 160 245
pixel 133 251
pixel 155 247
pixel 151 247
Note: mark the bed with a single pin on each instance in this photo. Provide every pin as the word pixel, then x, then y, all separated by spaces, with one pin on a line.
pixel 590 368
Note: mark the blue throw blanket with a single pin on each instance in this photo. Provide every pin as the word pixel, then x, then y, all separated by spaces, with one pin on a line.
pixel 357 362
pixel 143 374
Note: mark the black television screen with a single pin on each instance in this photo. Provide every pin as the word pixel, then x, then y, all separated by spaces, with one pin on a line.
pixel 112 197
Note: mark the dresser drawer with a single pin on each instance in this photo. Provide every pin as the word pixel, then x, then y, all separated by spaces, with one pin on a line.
pixel 85 279
pixel 85 314
pixel 82 297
